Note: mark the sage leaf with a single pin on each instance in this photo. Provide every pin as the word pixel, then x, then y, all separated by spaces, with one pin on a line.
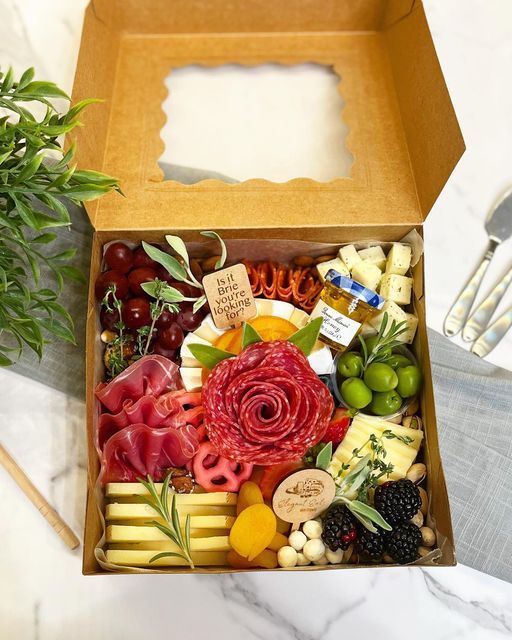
pixel 209 356
pixel 224 253
pixel 199 303
pixel 175 269
pixel 305 338
pixel 179 246
pixel 358 507
pixel 323 459
pixel 250 335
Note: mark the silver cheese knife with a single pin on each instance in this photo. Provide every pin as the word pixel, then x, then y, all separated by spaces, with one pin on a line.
pixel 479 319
pixel 492 335
pixel 499 228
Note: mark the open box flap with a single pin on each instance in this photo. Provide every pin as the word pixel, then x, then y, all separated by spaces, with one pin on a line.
pixel 403 133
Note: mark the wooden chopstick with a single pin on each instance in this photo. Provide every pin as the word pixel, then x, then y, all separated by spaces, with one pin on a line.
pixel 37 499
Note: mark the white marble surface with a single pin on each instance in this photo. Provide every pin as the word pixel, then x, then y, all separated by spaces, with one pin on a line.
pixel 44 595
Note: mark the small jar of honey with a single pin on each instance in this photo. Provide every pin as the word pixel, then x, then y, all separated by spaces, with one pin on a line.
pixel 344 305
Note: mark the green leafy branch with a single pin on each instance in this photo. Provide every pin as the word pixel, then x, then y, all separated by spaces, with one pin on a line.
pixel 36 179
pixel 170 516
pixel 387 340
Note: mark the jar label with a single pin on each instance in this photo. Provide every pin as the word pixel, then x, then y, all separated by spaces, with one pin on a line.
pixel 335 326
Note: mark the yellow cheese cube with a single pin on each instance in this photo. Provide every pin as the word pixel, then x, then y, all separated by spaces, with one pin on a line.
pixel 349 256
pixel 399 259
pixel 335 264
pixel 407 337
pixel 367 274
pixel 394 313
pixel 374 255
pixel 396 288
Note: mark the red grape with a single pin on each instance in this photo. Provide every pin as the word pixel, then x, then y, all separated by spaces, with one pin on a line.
pixel 137 276
pixel 171 337
pixel 141 259
pixel 119 257
pixel 160 350
pixel 187 319
pixel 166 319
pixel 164 275
pixel 136 313
pixel 186 289
pixel 108 278
pixel 109 319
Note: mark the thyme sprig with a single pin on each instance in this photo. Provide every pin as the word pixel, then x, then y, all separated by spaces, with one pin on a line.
pixel 117 360
pixel 162 292
pixel 387 340
pixel 172 527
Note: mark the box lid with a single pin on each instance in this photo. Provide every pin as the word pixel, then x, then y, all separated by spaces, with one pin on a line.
pixel 403 132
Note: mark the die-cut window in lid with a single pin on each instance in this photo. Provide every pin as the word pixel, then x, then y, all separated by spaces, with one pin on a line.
pixel 236 122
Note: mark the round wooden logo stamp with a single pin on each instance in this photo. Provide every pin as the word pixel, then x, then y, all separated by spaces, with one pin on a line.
pixel 303 495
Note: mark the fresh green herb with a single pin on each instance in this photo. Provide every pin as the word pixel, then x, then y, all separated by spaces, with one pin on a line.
pixel 305 338
pixel 323 459
pixel 250 335
pixel 34 187
pixel 386 341
pixel 116 349
pixel 209 356
pixel 180 270
pixel 172 527
pixel 164 301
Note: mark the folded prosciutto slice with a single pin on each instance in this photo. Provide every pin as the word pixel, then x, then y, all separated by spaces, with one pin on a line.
pixel 152 375
pixel 173 409
pixel 138 451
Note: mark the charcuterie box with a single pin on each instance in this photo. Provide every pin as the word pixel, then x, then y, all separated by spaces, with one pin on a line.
pixel 403 136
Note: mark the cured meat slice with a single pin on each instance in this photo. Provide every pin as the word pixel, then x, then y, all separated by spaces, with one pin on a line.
pixel 173 409
pixel 266 405
pixel 152 375
pixel 138 451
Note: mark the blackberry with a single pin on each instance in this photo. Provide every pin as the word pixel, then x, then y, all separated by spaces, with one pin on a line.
pixel 397 502
pixel 339 528
pixel 403 542
pixel 369 545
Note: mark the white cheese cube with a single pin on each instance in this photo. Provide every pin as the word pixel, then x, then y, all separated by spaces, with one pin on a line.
pixel 349 256
pixel 407 336
pixel 192 377
pixel 399 259
pixel 367 274
pixel 374 255
pixel 396 288
pixel 335 264
pixel 394 313
pixel 367 330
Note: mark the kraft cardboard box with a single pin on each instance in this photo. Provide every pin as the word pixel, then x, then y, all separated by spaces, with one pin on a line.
pixel 403 135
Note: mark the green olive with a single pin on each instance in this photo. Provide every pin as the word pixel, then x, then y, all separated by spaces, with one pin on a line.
pixel 385 403
pixel 398 360
pixel 355 393
pixel 380 377
pixel 350 365
pixel 372 341
pixel 409 381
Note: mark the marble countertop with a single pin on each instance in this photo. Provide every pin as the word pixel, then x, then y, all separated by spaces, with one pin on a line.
pixel 44 595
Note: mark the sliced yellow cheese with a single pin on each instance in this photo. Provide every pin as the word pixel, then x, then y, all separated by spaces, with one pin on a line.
pixel 120 533
pixel 145 513
pixel 162 544
pixel 126 533
pixel 398 453
pixel 130 558
pixel 137 511
pixel 117 489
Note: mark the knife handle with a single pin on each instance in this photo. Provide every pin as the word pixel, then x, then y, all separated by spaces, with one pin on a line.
pixel 491 336
pixel 479 320
pixel 459 312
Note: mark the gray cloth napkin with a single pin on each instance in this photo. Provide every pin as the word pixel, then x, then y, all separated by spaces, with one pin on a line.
pixel 474 412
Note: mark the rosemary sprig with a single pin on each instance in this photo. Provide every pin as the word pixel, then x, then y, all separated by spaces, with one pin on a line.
pixel 386 341
pixel 171 528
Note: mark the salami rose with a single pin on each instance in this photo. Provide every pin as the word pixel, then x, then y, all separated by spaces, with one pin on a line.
pixel 266 405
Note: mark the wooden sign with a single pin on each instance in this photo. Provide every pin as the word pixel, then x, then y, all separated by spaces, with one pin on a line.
pixel 303 495
pixel 230 297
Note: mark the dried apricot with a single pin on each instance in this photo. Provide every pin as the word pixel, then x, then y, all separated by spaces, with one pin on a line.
pixel 253 530
pixel 267 559
pixel 248 495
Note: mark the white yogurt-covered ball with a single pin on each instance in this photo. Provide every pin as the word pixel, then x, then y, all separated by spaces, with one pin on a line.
pixel 287 557
pixel 297 540
pixel 314 549
pixel 322 560
pixel 334 557
pixel 302 561
pixel 312 529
